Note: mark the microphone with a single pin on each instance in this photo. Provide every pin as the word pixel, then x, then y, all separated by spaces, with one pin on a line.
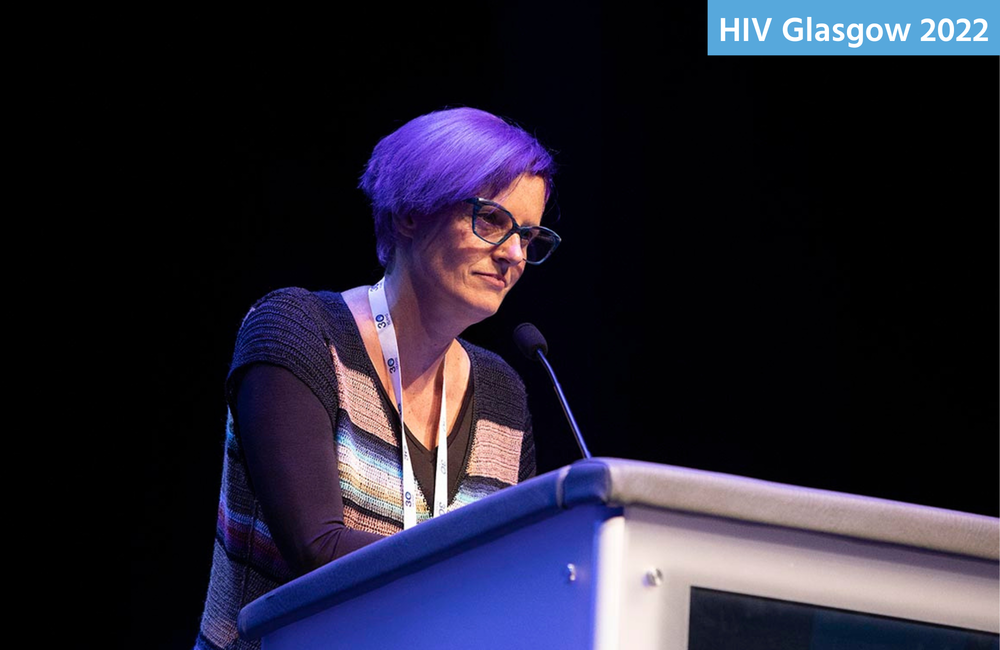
pixel 532 344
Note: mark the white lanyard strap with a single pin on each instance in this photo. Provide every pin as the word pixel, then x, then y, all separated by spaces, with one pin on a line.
pixel 390 354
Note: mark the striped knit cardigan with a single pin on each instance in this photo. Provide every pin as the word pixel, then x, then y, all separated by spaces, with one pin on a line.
pixel 314 335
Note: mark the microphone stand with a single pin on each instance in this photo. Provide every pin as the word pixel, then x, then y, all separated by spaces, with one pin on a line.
pixel 565 405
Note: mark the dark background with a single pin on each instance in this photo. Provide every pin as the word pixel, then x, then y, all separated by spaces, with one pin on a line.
pixel 782 268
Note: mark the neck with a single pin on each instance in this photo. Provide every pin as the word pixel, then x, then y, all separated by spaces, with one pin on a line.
pixel 423 334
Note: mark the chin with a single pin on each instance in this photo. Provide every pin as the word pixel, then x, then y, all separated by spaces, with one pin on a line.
pixel 486 306
pixel 485 311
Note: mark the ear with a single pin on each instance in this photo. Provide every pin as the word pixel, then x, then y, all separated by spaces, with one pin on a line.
pixel 405 226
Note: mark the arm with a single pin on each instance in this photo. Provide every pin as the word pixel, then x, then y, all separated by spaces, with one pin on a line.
pixel 291 456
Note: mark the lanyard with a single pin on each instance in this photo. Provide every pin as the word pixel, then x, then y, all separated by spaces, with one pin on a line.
pixel 390 353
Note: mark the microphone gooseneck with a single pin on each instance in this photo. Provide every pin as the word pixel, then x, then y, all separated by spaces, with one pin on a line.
pixel 532 344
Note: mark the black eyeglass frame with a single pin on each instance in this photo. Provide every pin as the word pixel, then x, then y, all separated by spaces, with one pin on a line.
pixel 478 204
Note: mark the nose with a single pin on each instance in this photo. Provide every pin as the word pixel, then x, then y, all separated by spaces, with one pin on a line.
pixel 511 250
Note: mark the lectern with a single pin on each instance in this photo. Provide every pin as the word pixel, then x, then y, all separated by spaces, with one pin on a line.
pixel 620 554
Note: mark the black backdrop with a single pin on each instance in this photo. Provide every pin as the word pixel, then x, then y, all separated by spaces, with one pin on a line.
pixel 782 268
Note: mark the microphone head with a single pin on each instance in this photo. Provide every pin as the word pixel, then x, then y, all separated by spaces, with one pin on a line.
pixel 529 340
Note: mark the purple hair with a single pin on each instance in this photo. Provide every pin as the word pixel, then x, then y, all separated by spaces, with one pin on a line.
pixel 434 162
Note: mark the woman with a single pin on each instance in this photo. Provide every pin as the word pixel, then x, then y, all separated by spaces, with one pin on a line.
pixel 316 462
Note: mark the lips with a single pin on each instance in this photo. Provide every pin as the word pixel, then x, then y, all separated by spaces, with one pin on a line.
pixel 494 279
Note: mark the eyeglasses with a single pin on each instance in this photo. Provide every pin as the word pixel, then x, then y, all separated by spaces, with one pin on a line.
pixel 494 224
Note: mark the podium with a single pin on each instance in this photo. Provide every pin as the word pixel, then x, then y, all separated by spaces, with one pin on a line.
pixel 609 553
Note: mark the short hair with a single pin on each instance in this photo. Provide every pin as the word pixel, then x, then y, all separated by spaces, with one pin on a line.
pixel 434 162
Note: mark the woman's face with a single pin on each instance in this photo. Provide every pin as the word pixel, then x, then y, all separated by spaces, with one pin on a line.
pixel 462 273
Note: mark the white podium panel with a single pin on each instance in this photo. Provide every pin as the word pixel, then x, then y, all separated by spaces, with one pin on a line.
pixel 757 572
